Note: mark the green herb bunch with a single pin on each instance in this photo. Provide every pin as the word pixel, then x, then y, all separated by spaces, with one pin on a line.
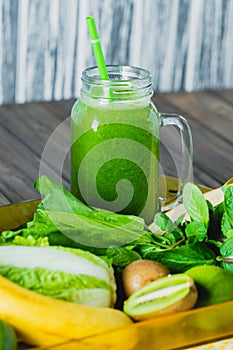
pixel 203 235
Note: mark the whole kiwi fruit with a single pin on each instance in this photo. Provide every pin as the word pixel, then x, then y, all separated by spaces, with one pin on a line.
pixel 141 272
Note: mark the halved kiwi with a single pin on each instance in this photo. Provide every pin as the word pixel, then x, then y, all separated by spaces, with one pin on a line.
pixel 167 295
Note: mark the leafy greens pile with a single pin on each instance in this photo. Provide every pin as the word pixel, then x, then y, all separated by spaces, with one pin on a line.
pixel 205 238
pixel 61 219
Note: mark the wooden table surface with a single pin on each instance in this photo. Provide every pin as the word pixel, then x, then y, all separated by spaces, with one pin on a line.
pixel 25 130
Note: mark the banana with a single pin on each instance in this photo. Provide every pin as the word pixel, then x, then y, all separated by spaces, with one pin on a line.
pixel 41 320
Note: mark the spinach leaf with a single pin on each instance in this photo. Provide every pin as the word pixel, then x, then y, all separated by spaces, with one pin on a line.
pixel 195 204
pixel 94 229
pixel 62 213
pixel 196 229
pixel 180 259
pixel 57 197
pixel 98 229
pixel 59 239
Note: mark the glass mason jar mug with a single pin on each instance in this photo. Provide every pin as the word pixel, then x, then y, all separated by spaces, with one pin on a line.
pixel 115 137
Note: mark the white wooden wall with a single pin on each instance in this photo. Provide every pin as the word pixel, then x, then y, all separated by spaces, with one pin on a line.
pixel 44 45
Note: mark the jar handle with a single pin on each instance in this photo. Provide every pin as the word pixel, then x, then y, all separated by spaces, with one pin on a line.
pixel 187 158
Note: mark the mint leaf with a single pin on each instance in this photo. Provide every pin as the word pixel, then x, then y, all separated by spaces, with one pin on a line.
pixel 164 222
pixel 182 258
pixel 228 202
pixel 226 260
pixel 195 204
pixel 225 224
pixel 180 219
pixel 227 248
pixel 229 234
pixel 197 229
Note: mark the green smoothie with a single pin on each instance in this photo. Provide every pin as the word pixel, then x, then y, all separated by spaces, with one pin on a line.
pixel 115 156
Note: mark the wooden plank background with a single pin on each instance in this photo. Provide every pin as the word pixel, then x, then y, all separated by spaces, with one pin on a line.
pixel 44 45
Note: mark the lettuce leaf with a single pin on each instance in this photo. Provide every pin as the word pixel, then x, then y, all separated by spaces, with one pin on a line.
pixel 81 289
pixel 31 241
pixel 64 273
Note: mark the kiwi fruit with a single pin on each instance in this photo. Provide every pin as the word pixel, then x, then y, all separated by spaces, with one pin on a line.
pixel 167 295
pixel 141 272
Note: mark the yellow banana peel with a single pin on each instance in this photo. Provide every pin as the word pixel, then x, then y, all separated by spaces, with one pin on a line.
pixel 41 320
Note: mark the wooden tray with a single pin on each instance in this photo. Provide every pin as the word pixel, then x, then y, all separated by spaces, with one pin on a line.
pixel 178 331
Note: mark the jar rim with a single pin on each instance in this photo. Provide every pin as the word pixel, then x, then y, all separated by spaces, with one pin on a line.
pixel 119 75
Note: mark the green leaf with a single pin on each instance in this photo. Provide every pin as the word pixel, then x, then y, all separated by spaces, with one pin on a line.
pixel 195 204
pixel 210 205
pixel 215 210
pixel 100 229
pixel 147 250
pixel 197 229
pixel 225 224
pixel 121 256
pixel 164 222
pixel 59 239
pixel 180 259
pixel 31 241
pixel 180 219
pixel 226 250
pixel 35 229
pixel 175 236
pixel 229 234
pixel 63 273
pixel 61 212
pixel 57 197
pixel 228 202
pixel 172 232
pixel 59 285
pixel 94 229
